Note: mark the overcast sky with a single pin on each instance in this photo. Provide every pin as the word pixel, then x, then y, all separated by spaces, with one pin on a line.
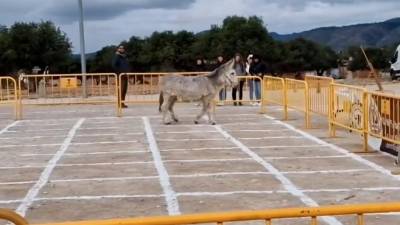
pixel 111 21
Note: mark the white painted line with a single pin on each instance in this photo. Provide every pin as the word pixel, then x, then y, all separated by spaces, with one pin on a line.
pixel 208 160
pixel 255 147
pixel 170 195
pixel 114 134
pixel 193 139
pixel 248 124
pixel 309 157
pixel 44 177
pixel 338 149
pixel 103 128
pixel 87 153
pixel 353 189
pixel 197 149
pixel 289 146
pixel 273 137
pixel 37 130
pixel 38 145
pixel 104 164
pixel 10 201
pixel 103 142
pixel 201 194
pixel 18 182
pixel 260 130
pixel 33 137
pixel 104 179
pixel 186 132
pixel 224 193
pixel 5 129
pixel 75 143
pixel 97 197
pixel 287 184
pixel 328 171
pixel 23 167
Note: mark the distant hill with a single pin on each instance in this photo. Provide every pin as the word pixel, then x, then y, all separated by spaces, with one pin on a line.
pixel 380 34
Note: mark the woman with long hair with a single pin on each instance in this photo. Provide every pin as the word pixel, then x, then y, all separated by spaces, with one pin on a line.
pixel 240 69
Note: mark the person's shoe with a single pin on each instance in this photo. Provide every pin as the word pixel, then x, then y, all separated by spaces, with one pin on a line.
pixel 124 106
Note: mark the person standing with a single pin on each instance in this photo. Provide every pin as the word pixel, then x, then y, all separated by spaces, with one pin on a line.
pixel 249 63
pixel 222 93
pixel 240 69
pixel 120 65
pixel 258 69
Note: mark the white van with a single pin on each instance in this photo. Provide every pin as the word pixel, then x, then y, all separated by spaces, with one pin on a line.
pixel 395 64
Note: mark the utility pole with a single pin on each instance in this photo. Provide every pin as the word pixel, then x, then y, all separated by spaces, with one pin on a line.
pixel 82 44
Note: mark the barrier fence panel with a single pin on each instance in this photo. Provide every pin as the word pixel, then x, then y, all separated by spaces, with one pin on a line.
pixel 384 116
pixel 266 216
pixel 9 94
pixel 52 89
pixel 273 91
pixel 348 110
pixel 318 94
pixel 296 97
pixel 247 84
pixel 144 87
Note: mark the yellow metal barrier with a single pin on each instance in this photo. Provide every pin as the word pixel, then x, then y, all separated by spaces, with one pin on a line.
pixel 384 116
pixel 318 94
pixel 11 216
pixel 245 82
pixel 143 87
pixel 273 91
pixel 296 97
pixel 348 109
pixel 9 93
pixel 263 215
pixel 51 89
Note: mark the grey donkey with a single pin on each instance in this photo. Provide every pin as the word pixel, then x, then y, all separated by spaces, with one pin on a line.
pixel 199 88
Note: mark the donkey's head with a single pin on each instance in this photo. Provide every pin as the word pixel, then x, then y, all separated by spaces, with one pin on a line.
pixel 227 74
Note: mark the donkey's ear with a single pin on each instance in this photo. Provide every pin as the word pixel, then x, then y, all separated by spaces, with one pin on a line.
pixel 231 63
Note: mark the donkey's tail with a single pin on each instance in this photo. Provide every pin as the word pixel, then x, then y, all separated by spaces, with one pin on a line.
pixel 161 101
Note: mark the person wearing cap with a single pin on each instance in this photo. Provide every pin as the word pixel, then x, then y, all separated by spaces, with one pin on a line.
pixel 222 93
pixel 249 63
pixel 120 65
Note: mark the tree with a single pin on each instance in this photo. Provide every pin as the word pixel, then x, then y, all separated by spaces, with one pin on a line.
pixel 25 45
pixel 379 58
pixel 304 55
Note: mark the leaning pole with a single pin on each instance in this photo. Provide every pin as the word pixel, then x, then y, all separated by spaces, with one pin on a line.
pixel 82 45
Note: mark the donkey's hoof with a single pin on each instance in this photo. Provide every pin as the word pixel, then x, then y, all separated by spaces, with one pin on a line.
pixel 196 122
pixel 176 120
pixel 167 123
pixel 213 123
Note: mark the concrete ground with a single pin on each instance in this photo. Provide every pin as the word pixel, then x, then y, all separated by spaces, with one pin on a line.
pixel 69 163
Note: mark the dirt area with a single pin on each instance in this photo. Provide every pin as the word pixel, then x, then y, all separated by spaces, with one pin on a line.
pixel 69 163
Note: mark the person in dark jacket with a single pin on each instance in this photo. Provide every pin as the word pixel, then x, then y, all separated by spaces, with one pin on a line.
pixel 120 65
pixel 240 69
pixel 257 69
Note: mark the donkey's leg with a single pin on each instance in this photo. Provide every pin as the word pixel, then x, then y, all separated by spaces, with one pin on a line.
pixel 173 99
pixel 203 111
pixel 209 112
pixel 164 108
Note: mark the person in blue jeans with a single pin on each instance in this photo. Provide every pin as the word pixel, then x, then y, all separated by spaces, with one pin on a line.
pixel 257 69
pixel 249 63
